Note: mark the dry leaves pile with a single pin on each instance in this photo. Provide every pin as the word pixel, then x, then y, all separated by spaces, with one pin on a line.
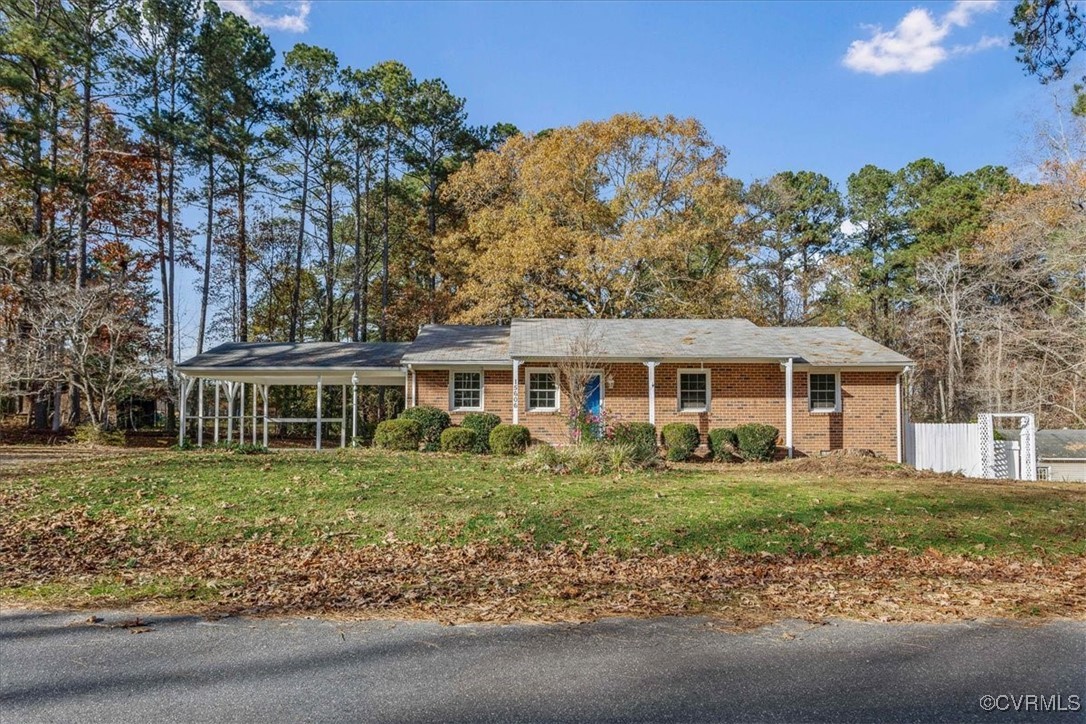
pixel 493 583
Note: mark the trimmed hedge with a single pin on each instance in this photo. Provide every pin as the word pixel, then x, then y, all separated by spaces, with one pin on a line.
pixel 401 434
pixel 639 436
pixel 458 439
pixel 482 423
pixel 680 439
pixel 722 441
pixel 431 420
pixel 509 439
pixel 757 442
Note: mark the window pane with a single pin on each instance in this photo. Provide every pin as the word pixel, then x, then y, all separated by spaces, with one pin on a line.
pixel 542 390
pixel 693 391
pixel 467 389
pixel 823 392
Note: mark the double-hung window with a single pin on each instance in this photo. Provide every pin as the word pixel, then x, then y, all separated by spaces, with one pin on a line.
pixel 694 390
pixel 824 391
pixel 466 391
pixel 542 390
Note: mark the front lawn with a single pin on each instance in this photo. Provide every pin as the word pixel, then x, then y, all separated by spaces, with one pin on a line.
pixel 143 526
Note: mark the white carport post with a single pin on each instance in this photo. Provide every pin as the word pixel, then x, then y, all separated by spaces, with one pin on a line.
pixel 788 405
pixel 320 389
pixel 184 393
pixel 218 385
pixel 264 389
pixel 354 409
pixel 343 416
pixel 651 366
pixel 241 416
pixel 516 391
pixel 255 388
pixel 200 414
pixel 231 390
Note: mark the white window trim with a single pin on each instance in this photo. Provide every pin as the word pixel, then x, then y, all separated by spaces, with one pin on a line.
pixel 482 390
pixel 528 389
pixel 708 390
pixel 837 392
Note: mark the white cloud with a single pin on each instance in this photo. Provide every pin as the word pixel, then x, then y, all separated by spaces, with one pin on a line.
pixel 917 43
pixel 287 15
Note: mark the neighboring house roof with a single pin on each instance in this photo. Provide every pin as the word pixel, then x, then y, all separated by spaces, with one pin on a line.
pixel 1054 444
pixel 451 343
pixel 1061 444
pixel 299 355
pixel 678 339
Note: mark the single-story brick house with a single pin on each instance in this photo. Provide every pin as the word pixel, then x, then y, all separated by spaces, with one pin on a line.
pixel 824 388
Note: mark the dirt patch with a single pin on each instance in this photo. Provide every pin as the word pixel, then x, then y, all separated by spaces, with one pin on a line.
pixel 501 583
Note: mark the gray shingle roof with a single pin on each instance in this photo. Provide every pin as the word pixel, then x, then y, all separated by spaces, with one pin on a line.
pixel 665 339
pixel 437 343
pixel 316 355
pixel 1054 444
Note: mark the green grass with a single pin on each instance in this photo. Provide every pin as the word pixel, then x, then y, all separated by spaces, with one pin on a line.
pixel 365 497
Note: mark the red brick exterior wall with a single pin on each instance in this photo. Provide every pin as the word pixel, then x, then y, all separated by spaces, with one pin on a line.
pixel 740 393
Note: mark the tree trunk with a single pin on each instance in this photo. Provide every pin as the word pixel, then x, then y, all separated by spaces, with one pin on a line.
pixel 384 244
pixel 328 333
pixel 243 261
pixel 205 290
pixel 296 290
pixel 356 282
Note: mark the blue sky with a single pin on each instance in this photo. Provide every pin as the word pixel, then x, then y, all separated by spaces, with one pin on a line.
pixel 768 80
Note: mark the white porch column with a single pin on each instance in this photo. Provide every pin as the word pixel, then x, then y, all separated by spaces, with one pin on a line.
pixel 320 424
pixel 200 414
pixel 217 386
pixel 788 405
pixel 516 391
pixel 343 416
pixel 414 389
pixel 354 410
pixel 265 390
pixel 651 366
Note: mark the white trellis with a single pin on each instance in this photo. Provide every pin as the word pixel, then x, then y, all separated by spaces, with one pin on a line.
pixel 992 463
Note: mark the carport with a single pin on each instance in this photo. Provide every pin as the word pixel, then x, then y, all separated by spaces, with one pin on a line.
pixel 225 374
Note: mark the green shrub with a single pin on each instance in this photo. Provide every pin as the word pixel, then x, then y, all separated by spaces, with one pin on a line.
pixel 432 422
pixel 457 440
pixel 757 442
pixel 482 423
pixel 93 435
pixel 722 443
pixel 680 439
pixel 364 438
pixel 398 434
pixel 509 439
pixel 250 449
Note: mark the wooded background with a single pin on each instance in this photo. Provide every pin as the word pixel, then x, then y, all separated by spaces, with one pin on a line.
pixel 322 202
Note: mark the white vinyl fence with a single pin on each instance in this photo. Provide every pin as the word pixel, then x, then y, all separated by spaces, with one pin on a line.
pixel 972 448
pixel 944 447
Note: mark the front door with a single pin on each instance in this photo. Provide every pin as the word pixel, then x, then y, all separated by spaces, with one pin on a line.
pixel 593 401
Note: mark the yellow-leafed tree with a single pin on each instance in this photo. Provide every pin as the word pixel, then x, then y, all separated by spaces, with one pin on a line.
pixel 628 217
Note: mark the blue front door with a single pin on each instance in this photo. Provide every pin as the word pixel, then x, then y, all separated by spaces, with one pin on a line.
pixel 593 395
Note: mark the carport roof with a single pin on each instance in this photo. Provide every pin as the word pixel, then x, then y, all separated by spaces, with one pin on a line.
pixel 299 356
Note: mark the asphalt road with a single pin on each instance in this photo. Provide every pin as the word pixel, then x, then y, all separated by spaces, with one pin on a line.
pixel 57 667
